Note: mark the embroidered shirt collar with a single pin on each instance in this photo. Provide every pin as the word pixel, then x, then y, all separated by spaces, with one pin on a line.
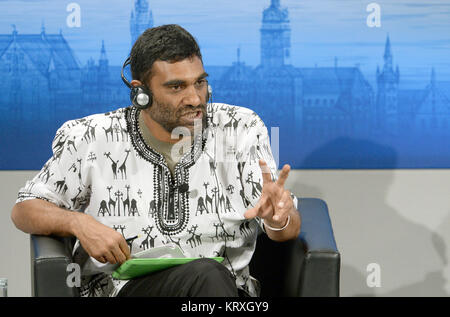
pixel 150 154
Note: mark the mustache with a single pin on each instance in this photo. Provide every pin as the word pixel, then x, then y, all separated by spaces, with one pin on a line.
pixel 190 109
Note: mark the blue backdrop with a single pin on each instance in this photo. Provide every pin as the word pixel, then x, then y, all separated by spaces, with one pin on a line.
pixel 349 84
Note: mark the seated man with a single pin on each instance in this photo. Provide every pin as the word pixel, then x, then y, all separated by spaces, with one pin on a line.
pixel 167 172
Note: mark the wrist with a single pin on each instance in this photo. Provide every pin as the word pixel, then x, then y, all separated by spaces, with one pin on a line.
pixel 277 227
pixel 75 222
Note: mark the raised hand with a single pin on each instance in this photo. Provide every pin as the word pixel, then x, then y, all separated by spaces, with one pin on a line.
pixel 275 202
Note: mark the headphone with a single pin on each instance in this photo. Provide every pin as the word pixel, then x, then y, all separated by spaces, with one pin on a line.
pixel 141 97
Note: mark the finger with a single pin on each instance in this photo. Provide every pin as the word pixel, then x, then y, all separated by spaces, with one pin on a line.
pixel 266 210
pixel 125 249
pixel 253 212
pixel 119 255
pixel 261 209
pixel 283 206
pixel 274 194
pixel 283 175
pixel 266 175
pixel 109 257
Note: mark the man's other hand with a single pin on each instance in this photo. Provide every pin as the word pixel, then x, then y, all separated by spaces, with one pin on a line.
pixel 101 242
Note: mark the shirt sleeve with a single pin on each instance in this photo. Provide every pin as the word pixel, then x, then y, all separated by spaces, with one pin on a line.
pixel 257 146
pixel 61 179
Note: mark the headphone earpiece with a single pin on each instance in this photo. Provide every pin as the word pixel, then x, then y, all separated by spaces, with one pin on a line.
pixel 140 96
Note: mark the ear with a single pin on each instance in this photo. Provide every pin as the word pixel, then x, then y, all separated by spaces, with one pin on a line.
pixel 136 83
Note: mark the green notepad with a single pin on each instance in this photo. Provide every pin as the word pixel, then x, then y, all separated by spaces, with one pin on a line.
pixel 138 267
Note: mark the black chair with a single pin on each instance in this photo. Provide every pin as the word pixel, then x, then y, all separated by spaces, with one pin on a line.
pixel 306 266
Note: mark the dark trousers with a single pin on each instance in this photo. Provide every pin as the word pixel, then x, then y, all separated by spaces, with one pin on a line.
pixel 198 278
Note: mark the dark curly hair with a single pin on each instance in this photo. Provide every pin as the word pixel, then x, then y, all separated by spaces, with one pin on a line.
pixel 169 43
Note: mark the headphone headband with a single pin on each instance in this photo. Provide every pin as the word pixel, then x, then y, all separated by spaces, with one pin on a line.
pixel 127 62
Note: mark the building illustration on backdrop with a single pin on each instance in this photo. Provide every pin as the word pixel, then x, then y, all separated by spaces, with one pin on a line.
pixel 325 102
pixel 141 19
pixel 42 74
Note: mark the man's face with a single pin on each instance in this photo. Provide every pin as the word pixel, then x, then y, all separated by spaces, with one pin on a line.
pixel 179 93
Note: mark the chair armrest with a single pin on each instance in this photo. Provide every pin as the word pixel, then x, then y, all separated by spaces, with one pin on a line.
pixel 319 274
pixel 49 260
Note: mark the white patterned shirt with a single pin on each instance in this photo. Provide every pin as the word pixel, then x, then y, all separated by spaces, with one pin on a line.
pixel 102 166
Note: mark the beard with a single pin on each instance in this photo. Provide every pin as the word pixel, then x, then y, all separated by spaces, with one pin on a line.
pixel 171 117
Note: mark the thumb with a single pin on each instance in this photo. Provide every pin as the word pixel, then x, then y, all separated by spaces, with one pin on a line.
pixel 252 212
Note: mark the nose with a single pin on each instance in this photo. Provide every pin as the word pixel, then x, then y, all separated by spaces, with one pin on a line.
pixel 192 96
